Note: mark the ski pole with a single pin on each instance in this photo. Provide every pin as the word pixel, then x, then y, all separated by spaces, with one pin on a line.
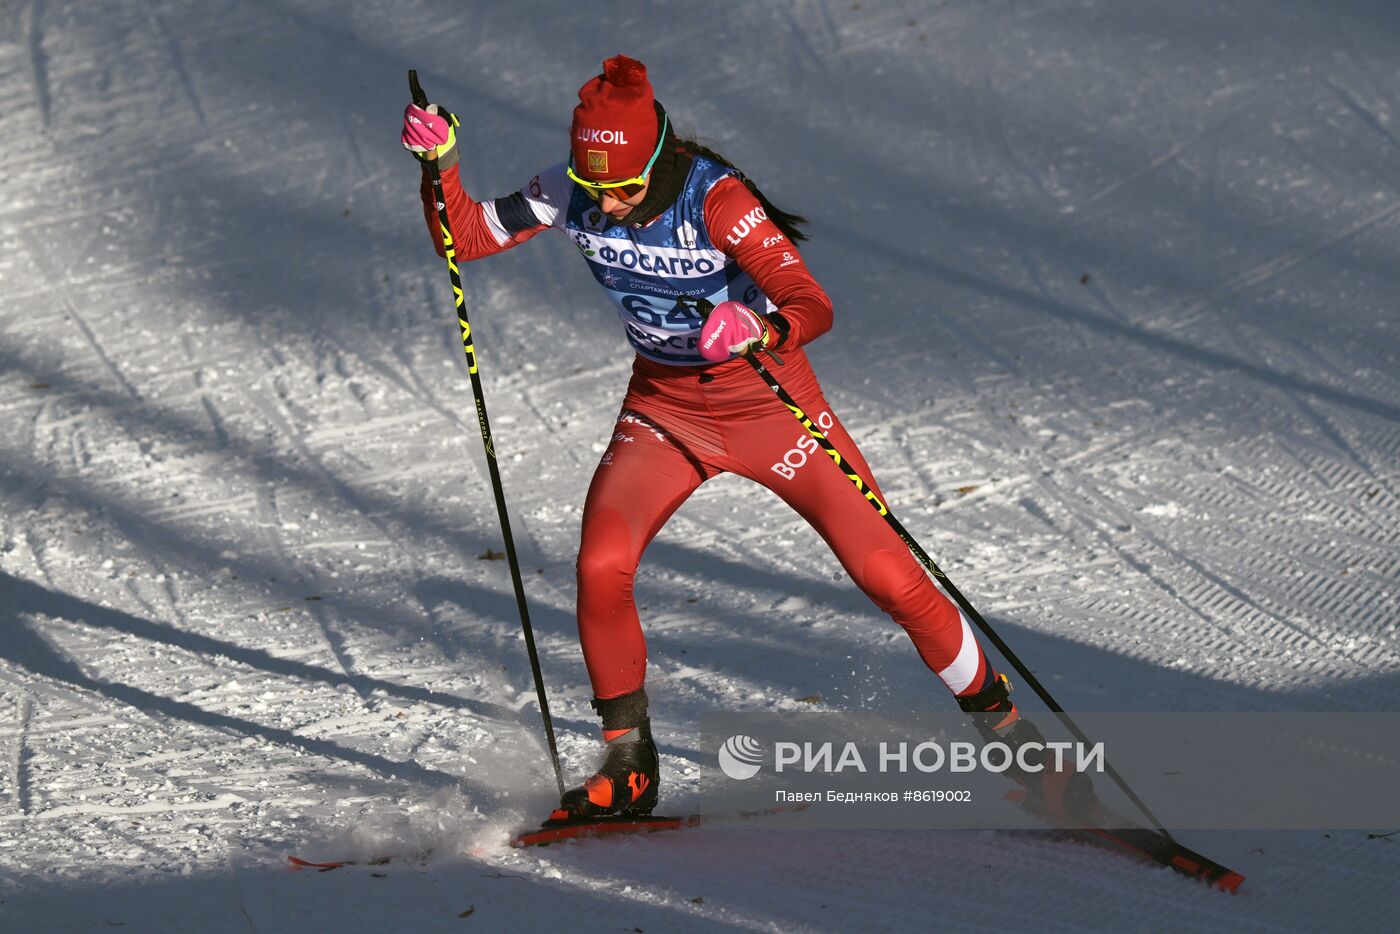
pixel 448 244
pixel 869 493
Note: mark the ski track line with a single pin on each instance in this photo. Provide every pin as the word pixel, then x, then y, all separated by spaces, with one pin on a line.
pixel 1151 166
pixel 1211 579
pixel 1328 478
pixel 230 505
pixel 887 29
pixel 521 380
pixel 156 807
pixel 423 468
pixel 300 443
pixel 1329 484
pixel 1326 591
pixel 1271 495
pixel 148 608
pixel 417 390
pixel 273 413
pixel 1371 121
pixel 420 394
pixel 171 48
pixel 366 176
pixel 269 522
pixel 807 50
pixel 30 17
pixel 54 686
pixel 1369 75
pixel 1129 438
pixel 1273 618
pixel 527 396
pixel 19 773
pixel 1145 568
pixel 30 490
pixel 60 292
pixel 1229 328
pixel 36 551
pixel 82 286
pixel 1053 492
pixel 41 686
pixel 196 369
pixel 1183 317
pixel 416 386
pixel 1171 155
pixel 354 430
pixel 157 567
pixel 119 406
pixel 1338 439
pixel 1089 492
pixel 920 493
pixel 1286 490
pixel 166 578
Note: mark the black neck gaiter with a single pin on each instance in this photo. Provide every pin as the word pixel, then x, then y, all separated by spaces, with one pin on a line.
pixel 666 181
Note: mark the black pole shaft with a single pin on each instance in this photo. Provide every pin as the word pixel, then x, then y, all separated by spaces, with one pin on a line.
pixel 861 485
pixel 449 247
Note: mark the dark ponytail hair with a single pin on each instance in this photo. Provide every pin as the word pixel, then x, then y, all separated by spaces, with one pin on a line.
pixel 787 223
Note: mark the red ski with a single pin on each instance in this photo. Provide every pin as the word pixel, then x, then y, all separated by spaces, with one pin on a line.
pixel 1125 836
pixel 557 831
pixel 1152 845
pixel 299 864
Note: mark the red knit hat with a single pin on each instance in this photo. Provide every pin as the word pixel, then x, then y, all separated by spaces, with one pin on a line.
pixel 614 130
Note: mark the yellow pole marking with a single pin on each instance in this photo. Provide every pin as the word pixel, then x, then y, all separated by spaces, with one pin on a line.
pixel 831 451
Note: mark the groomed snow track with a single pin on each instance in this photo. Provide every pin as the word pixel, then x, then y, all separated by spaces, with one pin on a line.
pixel 1116 324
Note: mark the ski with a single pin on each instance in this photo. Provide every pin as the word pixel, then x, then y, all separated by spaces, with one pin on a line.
pixel 1151 845
pixel 1122 835
pixel 298 864
pixel 561 830
pixel 599 827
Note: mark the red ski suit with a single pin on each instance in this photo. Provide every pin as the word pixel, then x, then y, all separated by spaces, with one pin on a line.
pixel 681 425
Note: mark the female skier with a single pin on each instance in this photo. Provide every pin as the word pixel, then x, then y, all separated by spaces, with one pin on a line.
pixel 663 222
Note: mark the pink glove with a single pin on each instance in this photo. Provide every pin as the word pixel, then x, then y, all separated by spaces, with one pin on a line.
pixel 729 329
pixel 427 133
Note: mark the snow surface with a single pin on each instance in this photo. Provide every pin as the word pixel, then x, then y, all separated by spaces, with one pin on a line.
pixel 1116 324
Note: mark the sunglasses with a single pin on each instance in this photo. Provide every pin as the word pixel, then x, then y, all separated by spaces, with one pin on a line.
pixel 627 187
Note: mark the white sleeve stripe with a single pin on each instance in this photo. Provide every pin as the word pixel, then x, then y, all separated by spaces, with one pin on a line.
pixel 546 213
pixel 548 195
pixel 493 222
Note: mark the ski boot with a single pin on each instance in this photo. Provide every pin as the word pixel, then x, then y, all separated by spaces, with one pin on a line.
pixel 626 783
pixel 1053 793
